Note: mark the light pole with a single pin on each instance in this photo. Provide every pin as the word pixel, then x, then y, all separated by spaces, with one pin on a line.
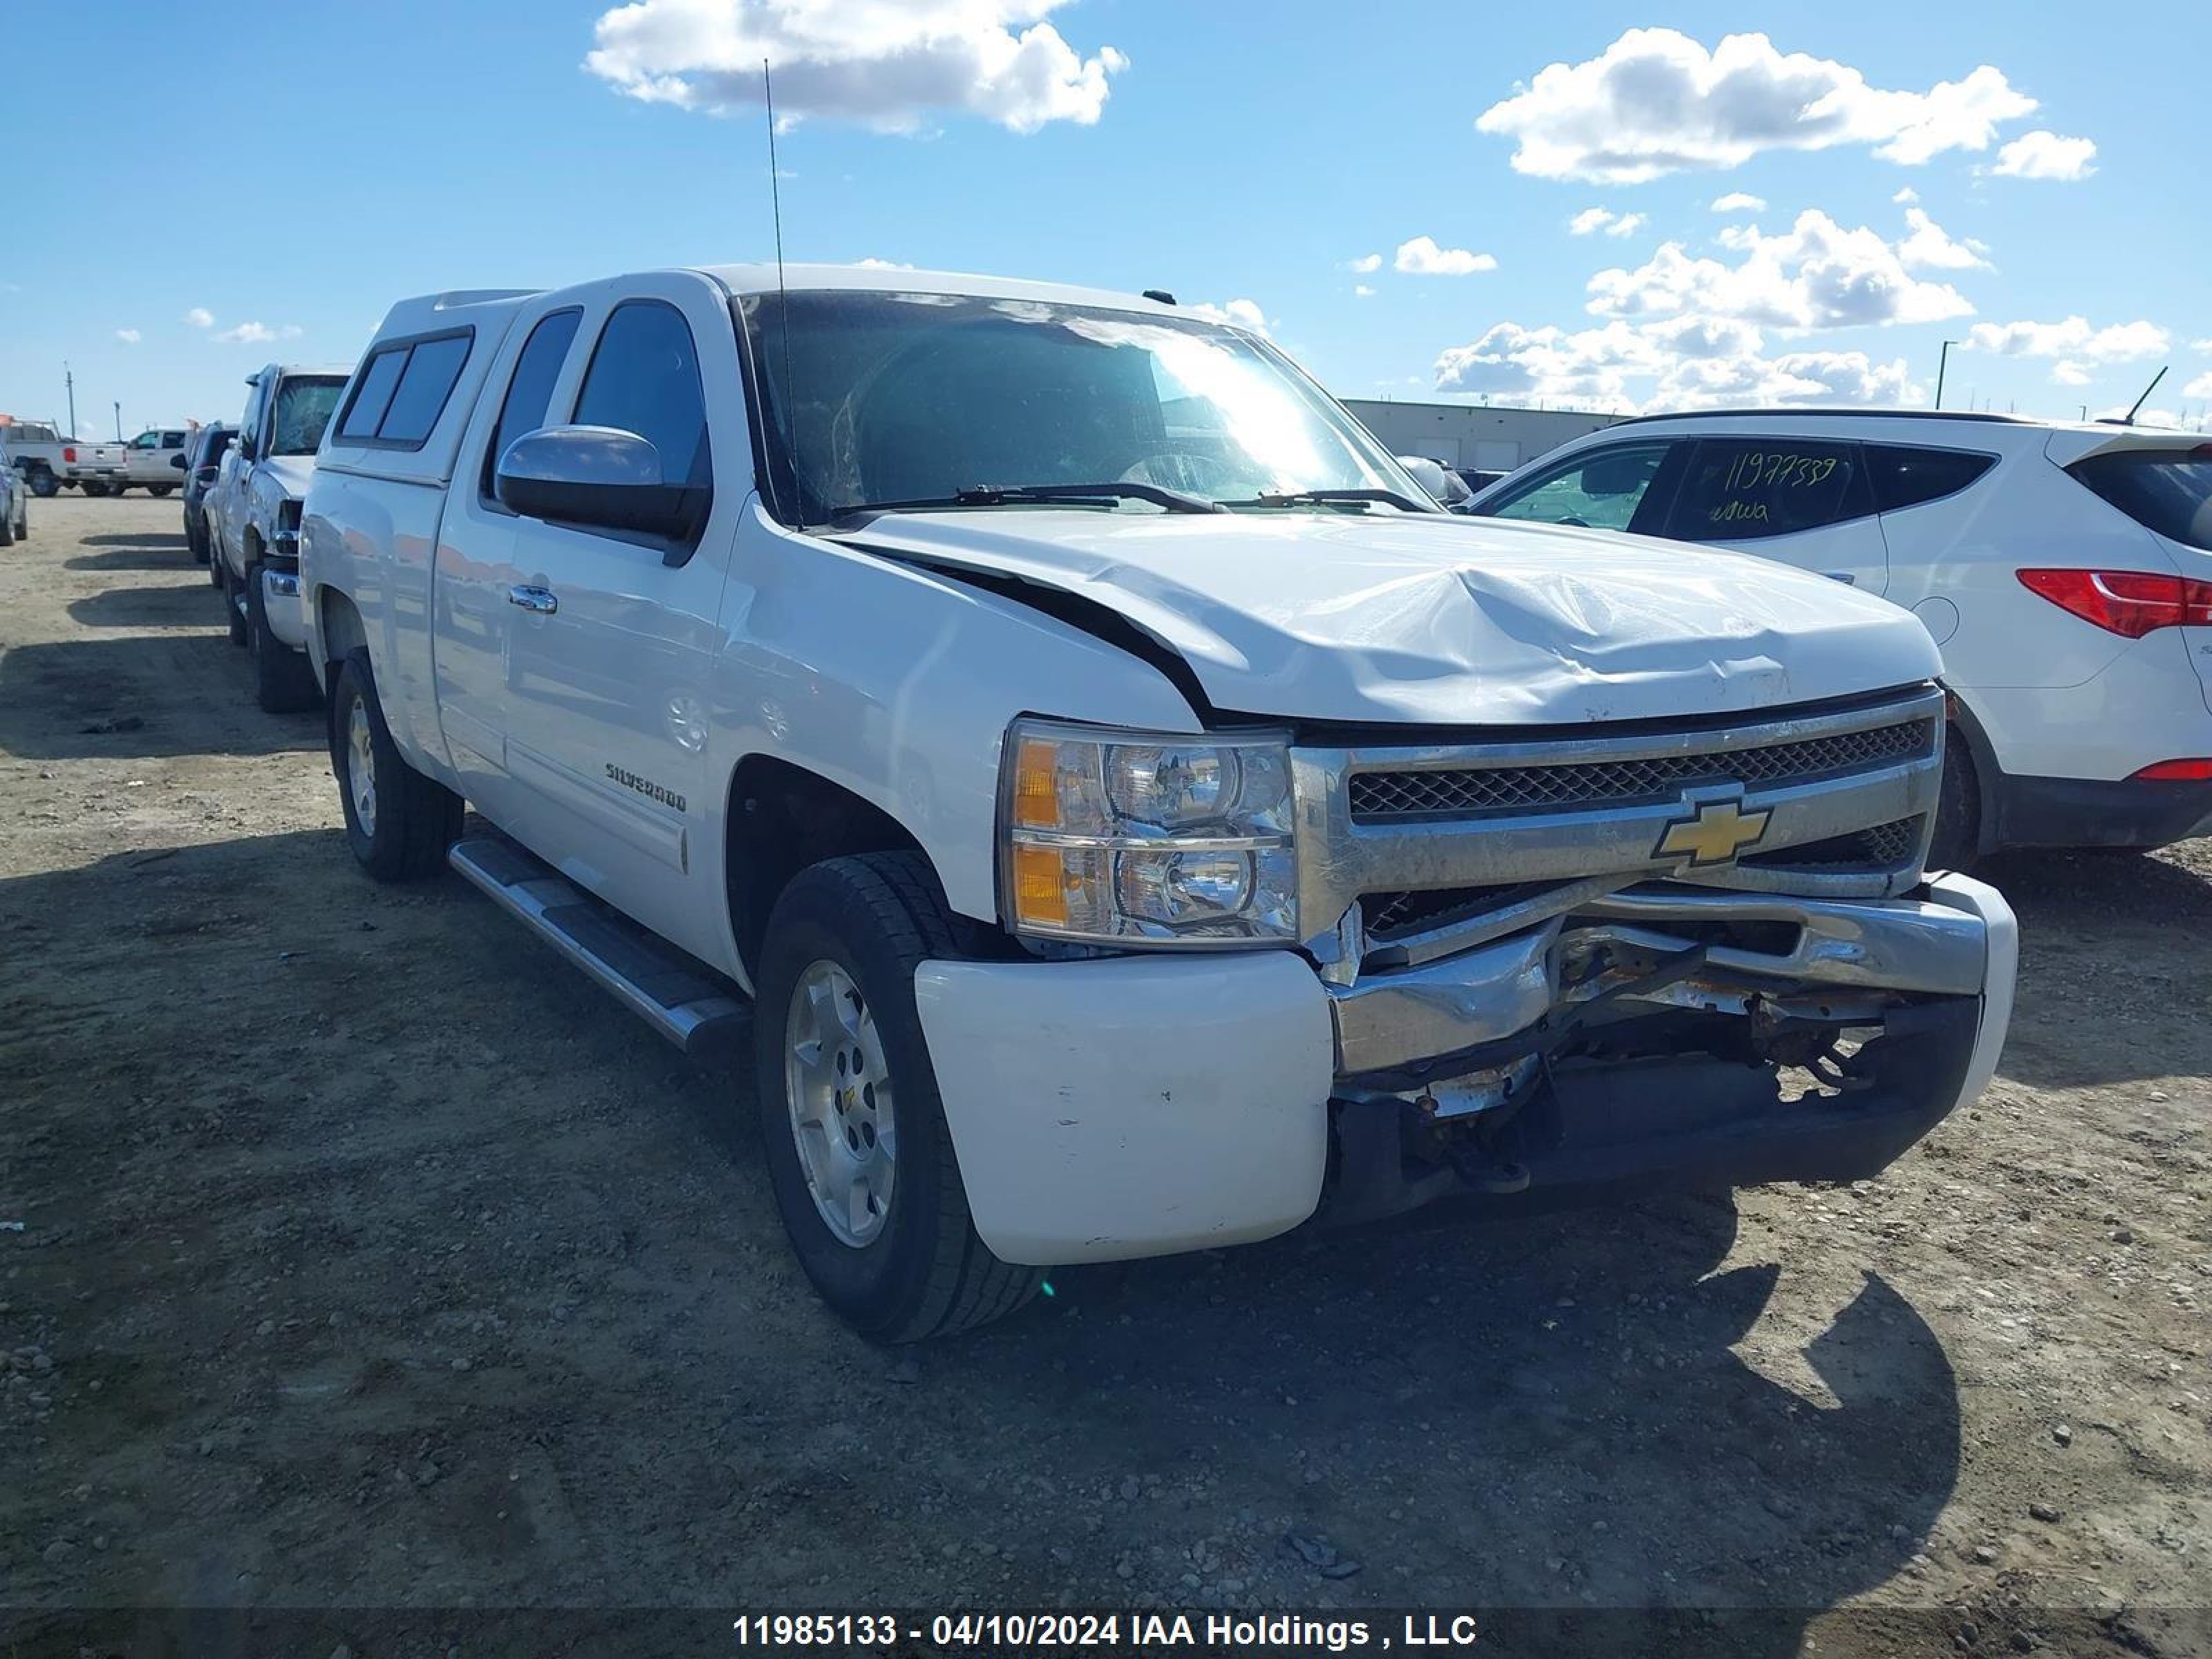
pixel 1942 362
pixel 118 423
pixel 69 381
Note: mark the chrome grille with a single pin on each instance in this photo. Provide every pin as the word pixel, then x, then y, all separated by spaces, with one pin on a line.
pixel 1459 792
pixel 1882 847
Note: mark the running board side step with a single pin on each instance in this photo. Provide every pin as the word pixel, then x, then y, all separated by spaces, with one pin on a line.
pixel 678 996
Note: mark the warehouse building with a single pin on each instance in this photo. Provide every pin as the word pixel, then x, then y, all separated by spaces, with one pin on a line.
pixel 1485 439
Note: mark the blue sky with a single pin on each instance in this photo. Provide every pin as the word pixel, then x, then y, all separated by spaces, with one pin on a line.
pixel 288 171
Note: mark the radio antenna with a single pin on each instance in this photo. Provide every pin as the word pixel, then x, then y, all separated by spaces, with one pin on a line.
pixel 2130 420
pixel 783 307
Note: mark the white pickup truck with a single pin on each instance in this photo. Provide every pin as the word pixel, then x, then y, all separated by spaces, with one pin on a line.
pixel 253 512
pixel 1127 814
pixel 154 461
pixel 50 462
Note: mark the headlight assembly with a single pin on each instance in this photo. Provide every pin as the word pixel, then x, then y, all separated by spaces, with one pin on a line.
pixel 1134 838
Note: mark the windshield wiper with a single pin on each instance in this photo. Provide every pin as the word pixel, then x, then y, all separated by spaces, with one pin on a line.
pixel 1325 497
pixel 1173 500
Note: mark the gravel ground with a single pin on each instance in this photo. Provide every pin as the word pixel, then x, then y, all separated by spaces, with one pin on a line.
pixel 359 1256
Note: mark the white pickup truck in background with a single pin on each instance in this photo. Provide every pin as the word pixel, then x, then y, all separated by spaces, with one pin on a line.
pixel 1127 814
pixel 51 462
pixel 154 461
pixel 253 512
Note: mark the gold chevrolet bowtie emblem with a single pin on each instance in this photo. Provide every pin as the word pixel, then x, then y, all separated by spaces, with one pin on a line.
pixel 1715 833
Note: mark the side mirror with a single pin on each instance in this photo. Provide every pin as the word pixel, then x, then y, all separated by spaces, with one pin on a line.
pixel 1434 477
pixel 599 476
pixel 180 463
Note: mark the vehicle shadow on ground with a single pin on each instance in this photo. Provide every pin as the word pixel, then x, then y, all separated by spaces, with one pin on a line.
pixel 157 553
pixel 126 696
pixel 136 538
pixel 2111 949
pixel 1569 1381
pixel 165 604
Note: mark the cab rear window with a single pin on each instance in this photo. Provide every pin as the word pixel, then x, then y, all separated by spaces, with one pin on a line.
pixel 2167 491
pixel 403 388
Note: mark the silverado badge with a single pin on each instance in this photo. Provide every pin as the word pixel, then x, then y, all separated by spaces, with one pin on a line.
pixel 1714 833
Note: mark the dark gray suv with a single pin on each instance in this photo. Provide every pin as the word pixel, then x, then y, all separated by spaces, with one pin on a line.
pixel 202 459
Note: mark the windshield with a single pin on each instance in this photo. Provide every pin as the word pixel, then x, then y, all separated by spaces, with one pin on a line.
pixel 303 408
pixel 914 398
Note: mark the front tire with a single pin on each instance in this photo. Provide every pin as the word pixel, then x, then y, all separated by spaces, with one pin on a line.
pixel 44 484
pixel 283 684
pixel 398 823
pixel 859 1154
pixel 1957 843
pixel 157 491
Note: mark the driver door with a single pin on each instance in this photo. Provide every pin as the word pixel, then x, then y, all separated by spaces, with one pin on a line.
pixel 612 637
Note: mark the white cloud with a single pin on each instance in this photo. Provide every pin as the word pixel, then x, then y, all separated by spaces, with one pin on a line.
pixel 1816 275
pixel 1905 193
pixel 200 317
pixel 2201 345
pixel 1423 258
pixel 1605 219
pixel 1244 313
pixel 1683 362
pixel 258 334
pixel 1656 102
pixel 1365 262
pixel 128 336
pixel 871 263
pixel 886 66
pixel 1930 247
pixel 1739 201
pixel 2067 372
pixel 1363 291
pixel 2073 339
pixel 2199 387
pixel 2046 155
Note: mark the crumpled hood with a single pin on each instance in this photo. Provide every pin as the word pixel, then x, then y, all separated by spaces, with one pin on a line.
pixel 1442 620
pixel 293 472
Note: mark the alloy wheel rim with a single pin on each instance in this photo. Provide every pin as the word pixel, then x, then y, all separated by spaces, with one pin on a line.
pixel 838 1084
pixel 360 766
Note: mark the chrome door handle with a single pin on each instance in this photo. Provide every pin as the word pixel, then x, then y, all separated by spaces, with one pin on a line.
pixel 539 600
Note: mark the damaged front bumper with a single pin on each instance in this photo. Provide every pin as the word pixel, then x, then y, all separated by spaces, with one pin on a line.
pixel 1659 1035
pixel 1663 1038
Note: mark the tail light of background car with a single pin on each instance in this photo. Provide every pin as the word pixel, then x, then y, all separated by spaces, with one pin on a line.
pixel 2129 603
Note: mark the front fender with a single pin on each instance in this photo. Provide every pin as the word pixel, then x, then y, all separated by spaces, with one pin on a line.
pixel 898 684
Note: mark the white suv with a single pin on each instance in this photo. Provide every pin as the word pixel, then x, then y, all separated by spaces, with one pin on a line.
pixel 2065 571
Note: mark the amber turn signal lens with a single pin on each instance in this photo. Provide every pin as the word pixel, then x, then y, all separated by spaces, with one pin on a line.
pixel 1040 886
pixel 1036 792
